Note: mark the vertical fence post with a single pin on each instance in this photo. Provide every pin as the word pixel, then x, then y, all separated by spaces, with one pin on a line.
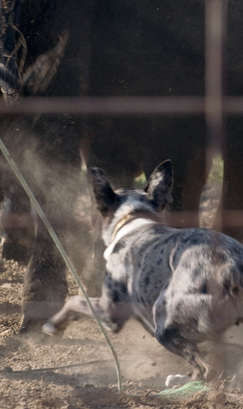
pixel 215 28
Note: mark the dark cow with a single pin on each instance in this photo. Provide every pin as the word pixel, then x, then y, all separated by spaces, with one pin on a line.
pixel 60 48
pixel 35 38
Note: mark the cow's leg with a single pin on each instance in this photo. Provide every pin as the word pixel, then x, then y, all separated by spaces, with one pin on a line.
pixel 17 225
pixel 233 179
pixel 58 191
pixel 45 286
pixel 170 138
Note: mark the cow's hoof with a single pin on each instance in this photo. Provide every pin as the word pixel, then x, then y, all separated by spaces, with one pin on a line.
pixel 37 313
pixel 29 326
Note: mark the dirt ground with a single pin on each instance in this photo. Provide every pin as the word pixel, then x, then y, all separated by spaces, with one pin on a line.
pixel 87 378
pixel 27 383
pixel 77 369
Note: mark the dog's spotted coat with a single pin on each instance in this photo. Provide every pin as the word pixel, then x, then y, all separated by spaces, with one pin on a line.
pixel 184 286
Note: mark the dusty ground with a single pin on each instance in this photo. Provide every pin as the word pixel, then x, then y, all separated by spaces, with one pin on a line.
pixel 86 377
pixel 144 363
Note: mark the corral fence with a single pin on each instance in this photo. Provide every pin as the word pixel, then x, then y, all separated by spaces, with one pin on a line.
pixel 214 105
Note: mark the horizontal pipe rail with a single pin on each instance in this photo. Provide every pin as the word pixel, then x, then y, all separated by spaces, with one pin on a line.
pixel 230 218
pixel 118 105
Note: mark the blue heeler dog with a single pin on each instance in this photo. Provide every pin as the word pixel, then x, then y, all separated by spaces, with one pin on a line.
pixel 185 286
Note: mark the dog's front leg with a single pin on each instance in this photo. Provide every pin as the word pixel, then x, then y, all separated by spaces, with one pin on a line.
pixel 77 308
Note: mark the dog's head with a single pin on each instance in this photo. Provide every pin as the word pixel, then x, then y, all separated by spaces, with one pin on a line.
pixel 115 205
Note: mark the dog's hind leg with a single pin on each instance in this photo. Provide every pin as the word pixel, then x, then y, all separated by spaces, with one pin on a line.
pixel 111 314
pixel 172 339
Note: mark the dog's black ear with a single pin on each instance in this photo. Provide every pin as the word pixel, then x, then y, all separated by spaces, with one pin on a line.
pixel 159 185
pixel 104 195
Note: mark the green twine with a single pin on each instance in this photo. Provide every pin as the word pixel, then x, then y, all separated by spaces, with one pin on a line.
pixel 184 391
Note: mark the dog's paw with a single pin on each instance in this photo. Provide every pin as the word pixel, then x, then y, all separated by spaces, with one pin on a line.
pixel 49 329
pixel 176 380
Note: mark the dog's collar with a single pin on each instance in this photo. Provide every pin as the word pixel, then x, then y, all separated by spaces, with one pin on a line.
pixel 132 216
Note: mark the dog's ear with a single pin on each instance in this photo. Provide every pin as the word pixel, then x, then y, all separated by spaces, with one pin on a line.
pixel 104 195
pixel 159 185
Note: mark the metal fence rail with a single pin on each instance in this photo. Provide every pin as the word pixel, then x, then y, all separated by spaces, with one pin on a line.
pixel 120 105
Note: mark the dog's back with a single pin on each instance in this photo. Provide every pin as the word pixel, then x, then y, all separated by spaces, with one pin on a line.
pixel 198 262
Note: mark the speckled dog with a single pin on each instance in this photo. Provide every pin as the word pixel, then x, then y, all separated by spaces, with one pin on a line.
pixel 184 286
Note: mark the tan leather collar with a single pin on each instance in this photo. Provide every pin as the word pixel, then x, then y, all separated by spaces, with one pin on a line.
pixel 132 216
